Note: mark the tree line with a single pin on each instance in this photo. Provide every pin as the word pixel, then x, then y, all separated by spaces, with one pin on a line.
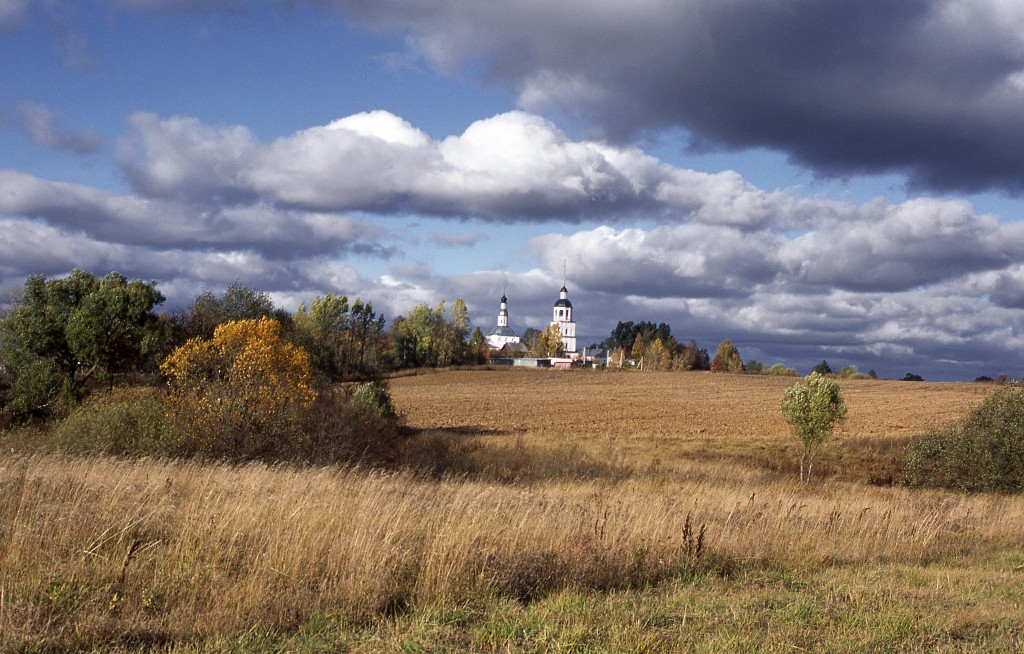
pixel 65 335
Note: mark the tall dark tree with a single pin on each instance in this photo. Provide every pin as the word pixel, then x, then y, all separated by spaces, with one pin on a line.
pixel 64 331
pixel 823 368
pixel 690 356
pixel 624 334
pixel 239 302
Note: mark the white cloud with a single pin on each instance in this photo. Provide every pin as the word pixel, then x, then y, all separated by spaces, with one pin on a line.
pixel 511 167
pixel 180 157
pixel 168 224
pixel 456 240
pixel 896 247
pixel 383 125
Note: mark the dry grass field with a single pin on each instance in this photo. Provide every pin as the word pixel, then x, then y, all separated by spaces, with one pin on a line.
pixel 540 511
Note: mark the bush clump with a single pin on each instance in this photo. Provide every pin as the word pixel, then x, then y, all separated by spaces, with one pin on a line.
pixel 240 394
pixel 375 398
pixel 352 425
pixel 126 422
pixel 983 452
pixel 243 394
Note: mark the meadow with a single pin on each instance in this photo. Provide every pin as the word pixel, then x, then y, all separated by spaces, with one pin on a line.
pixel 531 511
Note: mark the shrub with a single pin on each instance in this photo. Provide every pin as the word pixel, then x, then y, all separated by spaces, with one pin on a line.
pixel 241 394
pixel 780 370
pixel 126 422
pixel 350 425
pixel 983 452
pixel 374 398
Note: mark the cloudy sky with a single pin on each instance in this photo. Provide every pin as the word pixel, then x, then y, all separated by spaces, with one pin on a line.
pixel 812 179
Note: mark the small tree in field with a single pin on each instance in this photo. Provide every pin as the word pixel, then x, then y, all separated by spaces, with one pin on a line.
pixel 812 408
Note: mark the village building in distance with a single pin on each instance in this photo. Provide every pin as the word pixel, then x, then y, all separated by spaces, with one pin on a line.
pixel 562 316
pixel 508 349
pixel 502 334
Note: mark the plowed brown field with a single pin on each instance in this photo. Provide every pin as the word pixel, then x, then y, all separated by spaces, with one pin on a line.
pixel 672 415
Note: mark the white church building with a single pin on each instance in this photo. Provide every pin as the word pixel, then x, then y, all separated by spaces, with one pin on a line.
pixel 561 316
pixel 502 334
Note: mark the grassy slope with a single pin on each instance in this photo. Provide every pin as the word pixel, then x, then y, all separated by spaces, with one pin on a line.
pixel 580 556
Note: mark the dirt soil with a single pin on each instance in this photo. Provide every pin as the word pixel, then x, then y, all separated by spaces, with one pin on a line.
pixel 671 415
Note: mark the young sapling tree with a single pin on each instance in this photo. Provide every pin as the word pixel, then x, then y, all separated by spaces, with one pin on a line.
pixel 812 408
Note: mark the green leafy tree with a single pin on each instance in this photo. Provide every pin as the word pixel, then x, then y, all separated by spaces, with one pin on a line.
pixel 453 331
pixel 342 340
pixel 476 349
pixel 727 358
pixel 531 337
pixel 64 331
pixel 431 337
pixel 812 408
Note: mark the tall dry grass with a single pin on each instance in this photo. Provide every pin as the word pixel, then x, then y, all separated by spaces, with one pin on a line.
pixel 110 551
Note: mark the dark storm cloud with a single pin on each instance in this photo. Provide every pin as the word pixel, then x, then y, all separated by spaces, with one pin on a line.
pixel 131 220
pixel 933 89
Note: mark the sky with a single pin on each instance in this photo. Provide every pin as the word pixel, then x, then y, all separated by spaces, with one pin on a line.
pixel 810 179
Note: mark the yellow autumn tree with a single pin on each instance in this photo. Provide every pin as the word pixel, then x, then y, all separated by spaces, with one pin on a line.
pixel 241 394
pixel 549 343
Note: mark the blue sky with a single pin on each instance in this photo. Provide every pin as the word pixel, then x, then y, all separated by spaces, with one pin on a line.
pixel 811 179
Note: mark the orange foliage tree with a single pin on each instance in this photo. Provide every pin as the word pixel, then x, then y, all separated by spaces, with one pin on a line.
pixel 240 394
